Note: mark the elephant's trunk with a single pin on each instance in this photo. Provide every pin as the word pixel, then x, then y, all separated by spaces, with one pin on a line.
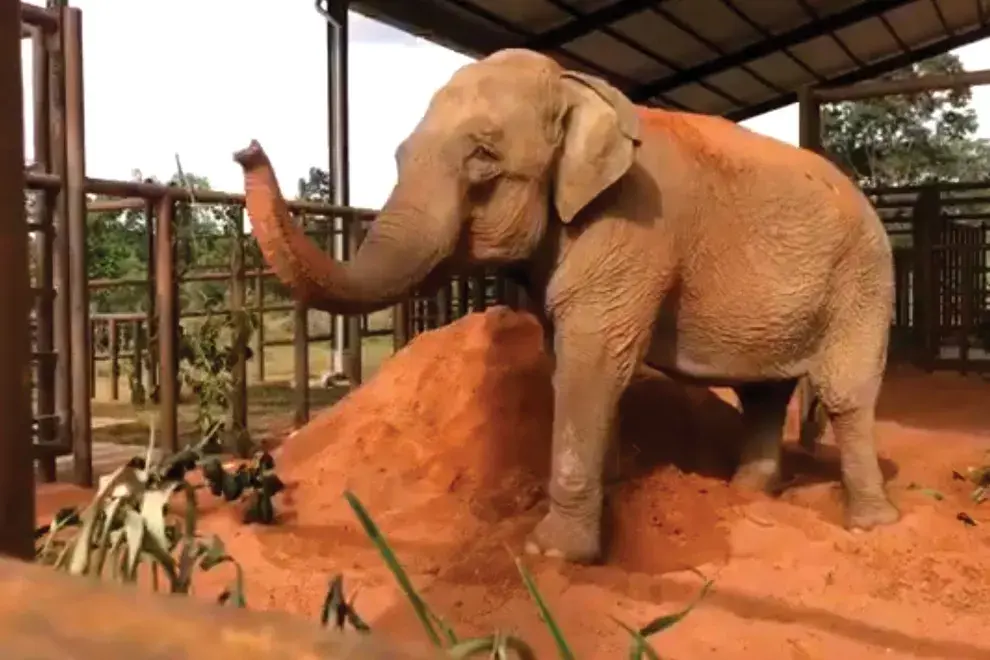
pixel 396 256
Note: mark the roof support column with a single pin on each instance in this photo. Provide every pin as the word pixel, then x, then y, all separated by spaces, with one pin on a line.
pixel 346 359
pixel 809 119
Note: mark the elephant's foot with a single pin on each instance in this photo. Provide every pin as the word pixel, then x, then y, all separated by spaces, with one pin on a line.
pixel 564 538
pixel 866 512
pixel 761 475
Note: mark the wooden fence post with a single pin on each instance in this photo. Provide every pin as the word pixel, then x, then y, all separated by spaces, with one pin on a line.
pixel 925 225
pixel 168 359
pixel 238 404
pixel 114 344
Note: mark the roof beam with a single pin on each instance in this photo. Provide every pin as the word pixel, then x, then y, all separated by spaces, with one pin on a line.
pixel 874 70
pixel 588 23
pixel 855 14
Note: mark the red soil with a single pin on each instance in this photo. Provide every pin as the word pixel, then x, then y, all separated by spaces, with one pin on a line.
pixel 448 449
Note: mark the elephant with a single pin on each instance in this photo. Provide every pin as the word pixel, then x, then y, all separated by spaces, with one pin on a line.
pixel 679 241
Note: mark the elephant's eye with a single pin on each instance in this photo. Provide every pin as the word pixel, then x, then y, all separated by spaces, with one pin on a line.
pixel 483 164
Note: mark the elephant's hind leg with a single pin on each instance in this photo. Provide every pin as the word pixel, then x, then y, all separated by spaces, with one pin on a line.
pixel 764 410
pixel 847 381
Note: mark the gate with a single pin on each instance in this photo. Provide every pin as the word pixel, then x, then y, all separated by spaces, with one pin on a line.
pixel 941 239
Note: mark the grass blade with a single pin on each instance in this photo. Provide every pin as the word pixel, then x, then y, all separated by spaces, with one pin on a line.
pixel 669 620
pixel 558 637
pixel 640 645
pixel 423 613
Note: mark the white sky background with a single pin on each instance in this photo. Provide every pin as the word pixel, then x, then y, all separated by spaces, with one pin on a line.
pixel 158 82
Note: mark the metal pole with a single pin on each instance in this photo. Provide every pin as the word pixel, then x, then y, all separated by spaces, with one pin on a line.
pixel 16 467
pixel 79 329
pixel 337 135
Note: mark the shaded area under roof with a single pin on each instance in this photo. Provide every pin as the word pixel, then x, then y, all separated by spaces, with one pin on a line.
pixel 737 58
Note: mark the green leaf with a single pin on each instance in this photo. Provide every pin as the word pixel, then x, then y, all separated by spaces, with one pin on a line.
pixel 215 554
pixel 153 504
pixel 664 622
pixel 563 649
pixel 640 646
pixel 134 530
pixel 423 613
pixel 494 646
pixel 122 481
pixel 103 545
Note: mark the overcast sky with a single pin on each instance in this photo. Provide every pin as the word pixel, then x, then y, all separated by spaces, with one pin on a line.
pixel 182 77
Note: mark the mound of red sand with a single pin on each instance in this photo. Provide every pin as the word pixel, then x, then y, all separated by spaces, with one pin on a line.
pixel 451 441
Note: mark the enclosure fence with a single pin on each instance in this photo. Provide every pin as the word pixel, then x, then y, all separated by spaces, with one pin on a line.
pixel 69 339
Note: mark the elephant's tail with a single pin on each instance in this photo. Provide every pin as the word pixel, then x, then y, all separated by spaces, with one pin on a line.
pixel 813 423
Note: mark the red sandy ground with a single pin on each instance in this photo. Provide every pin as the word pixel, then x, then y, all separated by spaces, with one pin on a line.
pixel 448 449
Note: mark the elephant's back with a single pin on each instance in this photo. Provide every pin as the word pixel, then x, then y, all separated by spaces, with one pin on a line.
pixel 738 155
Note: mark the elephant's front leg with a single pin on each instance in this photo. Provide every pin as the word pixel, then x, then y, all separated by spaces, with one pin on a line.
pixel 592 370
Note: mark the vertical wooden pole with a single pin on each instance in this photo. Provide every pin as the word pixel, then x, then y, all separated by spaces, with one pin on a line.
pixel 442 301
pixel 75 138
pixel 138 392
pixel 924 222
pixel 168 323
pixel 354 340
pixel 400 326
pixel 238 404
pixel 45 308
pixel 60 240
pixel 259 296
pixel 300 351
pixel 463 298
pixel 151 326
pixel 16 467
pixel 96 338
pixel 478 297
pixel 114 342
pixel 809 120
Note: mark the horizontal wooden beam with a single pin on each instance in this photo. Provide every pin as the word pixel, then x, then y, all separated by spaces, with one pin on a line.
pixel 914 85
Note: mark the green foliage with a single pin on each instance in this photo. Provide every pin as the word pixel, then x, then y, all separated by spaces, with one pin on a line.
pixel 907 139
pixel 128 523
pixel 256 481
pixel 207 356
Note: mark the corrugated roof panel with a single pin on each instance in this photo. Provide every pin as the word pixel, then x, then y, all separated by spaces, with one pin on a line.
pixel 712 59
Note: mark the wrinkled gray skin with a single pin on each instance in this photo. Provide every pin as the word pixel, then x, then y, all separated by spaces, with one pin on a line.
pixel 682 242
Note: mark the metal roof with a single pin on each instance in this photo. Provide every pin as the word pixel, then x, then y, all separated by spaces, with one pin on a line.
pixel 737 58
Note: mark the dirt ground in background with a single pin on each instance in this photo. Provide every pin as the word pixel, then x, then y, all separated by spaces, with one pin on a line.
pixel 448 450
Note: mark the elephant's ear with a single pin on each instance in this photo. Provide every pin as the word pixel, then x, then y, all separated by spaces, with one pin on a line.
pixel 601 132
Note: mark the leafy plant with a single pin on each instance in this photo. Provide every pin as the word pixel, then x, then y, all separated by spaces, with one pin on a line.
pixel 129 523
pixel 207 356
pixel 257 482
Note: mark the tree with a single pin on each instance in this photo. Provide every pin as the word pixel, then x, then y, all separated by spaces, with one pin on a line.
pixel 907 139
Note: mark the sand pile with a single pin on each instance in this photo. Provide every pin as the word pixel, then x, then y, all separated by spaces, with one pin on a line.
pixel 450 442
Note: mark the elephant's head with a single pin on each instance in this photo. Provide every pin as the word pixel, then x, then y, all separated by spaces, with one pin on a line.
pixel 511 143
